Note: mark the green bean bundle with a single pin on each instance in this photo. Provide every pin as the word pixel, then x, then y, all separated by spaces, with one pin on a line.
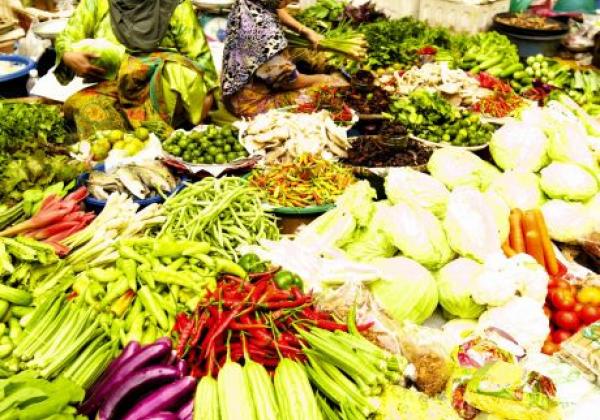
pixel 225 212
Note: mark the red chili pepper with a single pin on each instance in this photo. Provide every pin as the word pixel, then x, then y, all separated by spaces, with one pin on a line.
pixel 202 321
pixel 287 304
pixel 184 337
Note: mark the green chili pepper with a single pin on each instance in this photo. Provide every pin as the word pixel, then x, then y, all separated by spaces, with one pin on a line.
pixel 285 280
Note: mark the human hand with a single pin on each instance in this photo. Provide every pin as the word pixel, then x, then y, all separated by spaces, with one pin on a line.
pixel 80 63
pixel 313 37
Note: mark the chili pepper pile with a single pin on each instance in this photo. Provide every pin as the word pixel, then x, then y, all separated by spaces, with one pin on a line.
pixel 330 99
pixel 308 181
pixel 253 315
pixel 499 104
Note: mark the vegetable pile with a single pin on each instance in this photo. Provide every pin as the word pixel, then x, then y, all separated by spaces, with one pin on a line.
pixel 212 145
pixel 307 181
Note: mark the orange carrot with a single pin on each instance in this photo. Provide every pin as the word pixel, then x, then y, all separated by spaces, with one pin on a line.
pixel 549 257
pixel 508 251
pixel 517 241
pixel 533 240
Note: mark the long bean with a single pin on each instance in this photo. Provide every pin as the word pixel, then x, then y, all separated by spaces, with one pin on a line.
pixel 225 212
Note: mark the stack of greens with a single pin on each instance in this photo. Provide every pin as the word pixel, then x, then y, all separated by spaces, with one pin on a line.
pixel 429 116
pixel 20 124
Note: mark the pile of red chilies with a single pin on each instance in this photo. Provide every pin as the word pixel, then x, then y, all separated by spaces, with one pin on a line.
pixel 248 317
pixel 56 220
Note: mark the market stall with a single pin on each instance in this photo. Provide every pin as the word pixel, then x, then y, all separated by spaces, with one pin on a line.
pixel 422 241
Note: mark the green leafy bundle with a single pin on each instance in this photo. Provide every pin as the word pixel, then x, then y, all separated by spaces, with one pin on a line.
pixel 30 125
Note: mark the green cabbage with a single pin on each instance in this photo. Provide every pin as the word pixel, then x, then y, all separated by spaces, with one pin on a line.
pixel 568 181
pixel 568 143
pixel 406 184
pixel 455 281
pixel 456 167
pixel 518 189
pixel 567 222
pixel 518 145
pixel 371 242
pixel 418 234
pixel 336 227
pixel 471 226
pixel 110 55
pixel 406 290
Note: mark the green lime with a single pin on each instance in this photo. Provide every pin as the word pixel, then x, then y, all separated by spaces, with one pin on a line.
pixel 226 148
pixel 208 159
pixel 231 156
pixel 220 158
pixel 142 133
pixel 213 151
pixel 238 147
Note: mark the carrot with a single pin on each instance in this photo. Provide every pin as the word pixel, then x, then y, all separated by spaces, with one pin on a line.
pixel 533 240
pixel 549 257
pixel 517 241
pixel 508 251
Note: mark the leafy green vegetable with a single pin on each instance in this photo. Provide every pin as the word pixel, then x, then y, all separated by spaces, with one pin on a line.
pixel 406 184
pixel 568 181
pixel 371 242
pixel 406 290
pixel 455 281
pixel 455 167
pixel 510 151
pixel 518 189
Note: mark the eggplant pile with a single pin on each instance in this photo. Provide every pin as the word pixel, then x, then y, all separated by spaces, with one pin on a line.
pixel 143 383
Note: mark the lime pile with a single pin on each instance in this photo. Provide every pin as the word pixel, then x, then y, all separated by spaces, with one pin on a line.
pixel 213 145
pixel 104 141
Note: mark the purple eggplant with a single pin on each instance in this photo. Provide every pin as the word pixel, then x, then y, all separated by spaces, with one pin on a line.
pixel 163 415
pixel 182 367
pixel 172 358
pixel 186 412
pixel 164 398
pixel 146 356
pixel 147 378
pixel 132 348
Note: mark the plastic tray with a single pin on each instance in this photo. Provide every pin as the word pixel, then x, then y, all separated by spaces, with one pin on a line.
pixel 97 205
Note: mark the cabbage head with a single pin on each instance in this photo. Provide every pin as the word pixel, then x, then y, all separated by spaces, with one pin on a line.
pixel 519 146
pixel 501 212
pixel 455 281
pixel 568 181
pixel 568 143
pixel 567 221
pixel 593 206
pixel 519 190
pixel 371 242
pixel 406 289
pixel 110 55
pixel 418 234
pixel 471 226
pixel 456 167
pixel 406 184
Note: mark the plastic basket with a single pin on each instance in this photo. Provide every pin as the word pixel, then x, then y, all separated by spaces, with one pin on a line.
pixel 461 17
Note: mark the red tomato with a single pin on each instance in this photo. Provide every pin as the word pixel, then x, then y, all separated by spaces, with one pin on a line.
pixel 562 299
pixel 578 308
pixel 589 314
pixel 550 348
pixel 559 336
pixel 547 311
pixel 567 320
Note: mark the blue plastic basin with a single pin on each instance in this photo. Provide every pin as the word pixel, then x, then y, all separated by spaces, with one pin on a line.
pixel 14 85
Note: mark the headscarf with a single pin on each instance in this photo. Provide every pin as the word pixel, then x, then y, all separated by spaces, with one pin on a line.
pixel 141 24
pixel 254 36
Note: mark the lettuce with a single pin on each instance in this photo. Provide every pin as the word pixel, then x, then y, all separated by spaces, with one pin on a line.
pixel 471 224
pixel 406 290
pixel 518 189
pixel 455 281
pixel 456 167
pixel 418 234
pixel 406 184
pixel 110 55
pixel 519 146
pixel 567 222
pixel 568 181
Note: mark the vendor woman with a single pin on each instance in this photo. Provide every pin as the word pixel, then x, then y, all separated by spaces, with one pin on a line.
pixel 258 73
pixel 168 77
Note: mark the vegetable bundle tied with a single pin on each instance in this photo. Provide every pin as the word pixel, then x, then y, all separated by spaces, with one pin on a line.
pixel 340 40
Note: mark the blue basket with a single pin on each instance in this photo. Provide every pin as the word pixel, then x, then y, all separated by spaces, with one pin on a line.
pixel 14 85
pixel 97 205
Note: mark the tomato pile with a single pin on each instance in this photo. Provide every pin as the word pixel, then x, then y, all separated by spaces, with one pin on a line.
pixel 569 308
